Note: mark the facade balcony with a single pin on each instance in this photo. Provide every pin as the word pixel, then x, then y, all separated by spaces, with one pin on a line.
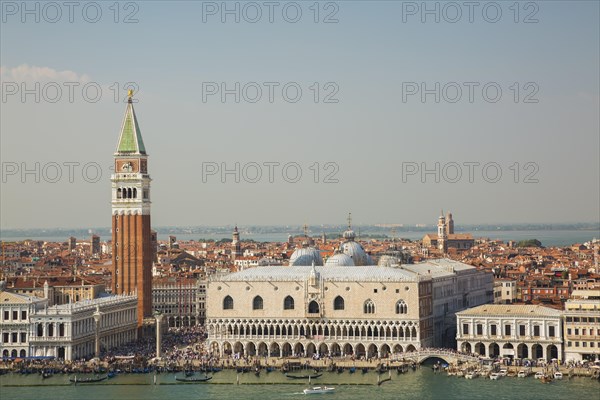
pixel 42 339
pixel 592 338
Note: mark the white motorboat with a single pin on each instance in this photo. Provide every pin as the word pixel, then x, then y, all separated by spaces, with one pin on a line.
pixel 539 375
pixel 558 375
pixel 495 376
pixel 503 372
pixel 319 390
pixel 471 375
pixel 523 374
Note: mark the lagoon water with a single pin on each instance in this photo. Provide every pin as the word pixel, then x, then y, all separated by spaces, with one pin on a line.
pixel 547 237
pixel 422 384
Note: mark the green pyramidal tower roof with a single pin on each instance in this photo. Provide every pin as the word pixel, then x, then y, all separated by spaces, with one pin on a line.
pixel 130 141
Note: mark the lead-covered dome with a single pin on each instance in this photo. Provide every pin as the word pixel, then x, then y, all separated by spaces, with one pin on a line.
pixel 306 256
pixel 357 253
pixel 339 260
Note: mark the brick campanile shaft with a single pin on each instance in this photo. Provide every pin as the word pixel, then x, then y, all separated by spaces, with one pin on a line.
pixel 131 237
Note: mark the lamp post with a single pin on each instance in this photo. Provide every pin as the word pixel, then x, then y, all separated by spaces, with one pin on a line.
pixel 97 317
pixel 158 315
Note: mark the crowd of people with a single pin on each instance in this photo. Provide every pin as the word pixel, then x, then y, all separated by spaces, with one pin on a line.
pixel 186 346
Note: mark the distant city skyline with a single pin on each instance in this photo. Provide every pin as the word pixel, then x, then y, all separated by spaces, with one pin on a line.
pixel 380 106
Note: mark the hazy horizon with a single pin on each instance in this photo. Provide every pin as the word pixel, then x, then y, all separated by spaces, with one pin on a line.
pixel 505 226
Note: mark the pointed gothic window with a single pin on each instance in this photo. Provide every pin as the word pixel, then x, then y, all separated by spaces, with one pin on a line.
pixel 369 307
pixel 313 307
pixel 257 303
pixel 288 303
pixel 401 307
pixel 228 303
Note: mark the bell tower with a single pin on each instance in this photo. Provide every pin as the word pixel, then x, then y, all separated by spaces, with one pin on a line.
pixel 131 234
pixel 442 233
pixel 236 246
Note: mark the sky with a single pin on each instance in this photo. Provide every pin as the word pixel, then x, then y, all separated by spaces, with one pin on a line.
pixel 276 113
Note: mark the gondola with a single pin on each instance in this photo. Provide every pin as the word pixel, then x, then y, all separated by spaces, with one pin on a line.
pixel 88 380
pixel 243 369
pixel 365 370
pixel 193 380
pixel 303 376
pixel 340 370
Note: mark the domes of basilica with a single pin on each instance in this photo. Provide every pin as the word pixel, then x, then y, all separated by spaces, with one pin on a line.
pixel 306 256
pixel 339 260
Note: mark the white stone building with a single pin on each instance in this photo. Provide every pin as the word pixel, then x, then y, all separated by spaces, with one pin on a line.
pixel 307 310
pixel 456 286
pixel 181 301
pixel 68 331
pixel 15 312
pixel 515 331
pixel 582 326
pixel 505 291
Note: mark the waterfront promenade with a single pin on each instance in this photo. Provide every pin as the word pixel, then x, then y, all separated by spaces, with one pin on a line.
pixel 184 349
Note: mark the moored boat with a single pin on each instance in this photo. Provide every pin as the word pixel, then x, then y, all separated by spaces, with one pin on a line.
pixel 471 375
pixel 558 375
pixel 495 376
pixel 193 380
pixel 539 375
pixel 523 373
pixel 303 376
pixel 88 380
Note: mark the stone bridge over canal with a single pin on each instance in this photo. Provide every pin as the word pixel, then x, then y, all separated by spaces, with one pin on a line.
pixel 450 357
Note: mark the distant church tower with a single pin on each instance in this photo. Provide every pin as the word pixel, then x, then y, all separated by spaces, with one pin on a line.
pixel 449 224
pixel 131 235
pixel 442 233
pixel 236 246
